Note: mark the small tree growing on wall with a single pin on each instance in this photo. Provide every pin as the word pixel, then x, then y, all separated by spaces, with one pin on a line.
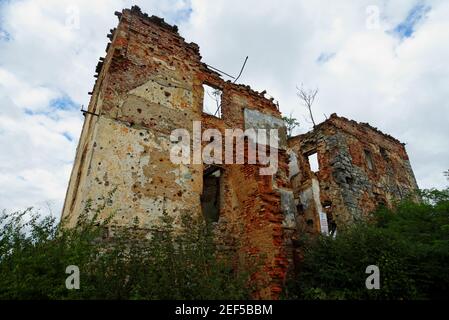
pixel 291 123
pixel 307 97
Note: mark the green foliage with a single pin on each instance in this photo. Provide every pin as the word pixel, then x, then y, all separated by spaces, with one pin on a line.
pixel 291 123
pixel 170 264
pixel 409 244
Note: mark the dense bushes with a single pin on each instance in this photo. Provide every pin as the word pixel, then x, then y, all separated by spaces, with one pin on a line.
pixel 409 244
pixel 171 265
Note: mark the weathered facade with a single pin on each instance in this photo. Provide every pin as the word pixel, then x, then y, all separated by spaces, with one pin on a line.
pixel 358 168
pixel 150 83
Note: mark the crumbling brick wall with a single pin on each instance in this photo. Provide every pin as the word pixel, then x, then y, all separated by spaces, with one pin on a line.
pixel 149 84
pixel 360 168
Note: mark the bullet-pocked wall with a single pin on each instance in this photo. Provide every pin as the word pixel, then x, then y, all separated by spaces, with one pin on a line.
pixel 152 82
pixel 149 84
pixel 358 169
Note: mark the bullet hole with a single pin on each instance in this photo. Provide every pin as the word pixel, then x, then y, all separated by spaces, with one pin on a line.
pixel 141 134
pixel 139 110
pixel 167 94
pixel 99 163
pixel 132 168
pixel 179 194
pixel 106 183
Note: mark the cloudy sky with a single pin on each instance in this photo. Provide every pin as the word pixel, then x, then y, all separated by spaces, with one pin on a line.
pixel 382 62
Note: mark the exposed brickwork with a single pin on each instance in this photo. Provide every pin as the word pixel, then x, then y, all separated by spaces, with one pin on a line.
pixel 359 168
pixel 151 83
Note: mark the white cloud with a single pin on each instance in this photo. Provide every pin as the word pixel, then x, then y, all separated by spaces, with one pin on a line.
pixel 397 85
pixel 370 75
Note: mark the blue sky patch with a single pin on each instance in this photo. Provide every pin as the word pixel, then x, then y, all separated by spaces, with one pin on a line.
pixel 325 57
pixel 67 136
pixel 63 103
pixel 182 15
pixel 49 113
pixel 406 28
pixel 4 35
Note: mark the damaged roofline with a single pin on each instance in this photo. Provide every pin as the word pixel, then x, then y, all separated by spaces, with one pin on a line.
pixel 135 11
pixel 330 121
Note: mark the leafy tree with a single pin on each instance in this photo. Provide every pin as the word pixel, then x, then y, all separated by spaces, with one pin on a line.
pixel 291 123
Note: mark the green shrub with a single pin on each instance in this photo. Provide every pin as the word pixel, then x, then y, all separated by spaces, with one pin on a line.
pixel 171 264
pixel 409 244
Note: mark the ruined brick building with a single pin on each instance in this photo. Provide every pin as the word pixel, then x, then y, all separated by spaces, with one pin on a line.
pixel 152 82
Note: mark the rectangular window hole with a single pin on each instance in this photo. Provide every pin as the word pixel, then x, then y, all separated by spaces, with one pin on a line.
pixel 212 101
pixel 369 160
pixel 313 162
pixel 384 153
pixel 210 197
